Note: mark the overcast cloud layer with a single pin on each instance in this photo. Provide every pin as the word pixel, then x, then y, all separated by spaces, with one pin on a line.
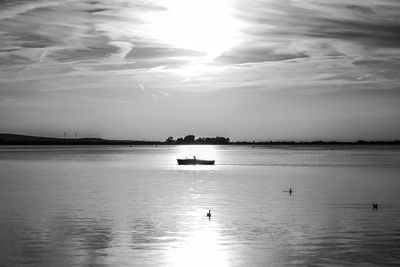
pixel 270 69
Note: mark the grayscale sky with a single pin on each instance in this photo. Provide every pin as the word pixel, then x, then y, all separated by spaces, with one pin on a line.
pixel 263 70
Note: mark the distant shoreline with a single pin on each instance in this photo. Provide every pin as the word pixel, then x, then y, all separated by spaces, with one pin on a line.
pixel 15 139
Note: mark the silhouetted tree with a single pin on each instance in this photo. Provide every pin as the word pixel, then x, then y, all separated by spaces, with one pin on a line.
pixel 169 140
pixel 189 139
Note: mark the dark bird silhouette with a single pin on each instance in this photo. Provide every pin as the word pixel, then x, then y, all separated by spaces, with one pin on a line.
pixel 289 191
pixel 209 214
pixel 374 206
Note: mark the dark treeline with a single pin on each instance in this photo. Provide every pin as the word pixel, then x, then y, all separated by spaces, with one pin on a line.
pixel 15 139
pixel 319 142
pixel 191 140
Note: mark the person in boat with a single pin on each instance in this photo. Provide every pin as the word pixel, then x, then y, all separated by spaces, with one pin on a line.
pixel 290 191
pixel 209 214
pixel 374 206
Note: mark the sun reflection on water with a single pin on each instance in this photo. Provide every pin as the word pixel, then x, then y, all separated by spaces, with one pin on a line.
pixel 202 247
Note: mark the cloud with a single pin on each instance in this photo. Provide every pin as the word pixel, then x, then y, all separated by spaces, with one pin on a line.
pixel 251 54
pixel 363 9
pixel 15 8
pixel 153 51
pixel 336 20
pixel 108 52
pixel 368 34
pixel 84 54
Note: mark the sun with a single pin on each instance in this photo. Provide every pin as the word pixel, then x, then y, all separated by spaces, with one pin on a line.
pixel 202 25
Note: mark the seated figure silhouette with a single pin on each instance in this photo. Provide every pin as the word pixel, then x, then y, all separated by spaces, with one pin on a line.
pixel 209 214
pixel 374 206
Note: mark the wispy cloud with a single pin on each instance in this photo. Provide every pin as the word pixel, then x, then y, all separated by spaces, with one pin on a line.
pixel 153 50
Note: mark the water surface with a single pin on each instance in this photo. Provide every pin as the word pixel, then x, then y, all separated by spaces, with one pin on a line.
pixel 134 206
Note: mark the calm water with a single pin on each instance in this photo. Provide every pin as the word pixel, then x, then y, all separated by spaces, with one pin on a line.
pixel 134 206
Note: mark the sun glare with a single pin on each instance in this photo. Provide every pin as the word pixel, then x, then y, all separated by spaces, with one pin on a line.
pixel 202 25
pixel 201 249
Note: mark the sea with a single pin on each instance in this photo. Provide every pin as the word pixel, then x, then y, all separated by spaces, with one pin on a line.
pixel 134 206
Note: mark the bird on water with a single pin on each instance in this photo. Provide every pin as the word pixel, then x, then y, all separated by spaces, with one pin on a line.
pixel 209 214
pixel 289 191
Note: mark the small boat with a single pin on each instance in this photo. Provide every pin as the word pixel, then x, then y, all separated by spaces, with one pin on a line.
pixel 195 161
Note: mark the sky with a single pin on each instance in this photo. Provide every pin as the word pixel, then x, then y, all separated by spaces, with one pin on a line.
pixel 248 70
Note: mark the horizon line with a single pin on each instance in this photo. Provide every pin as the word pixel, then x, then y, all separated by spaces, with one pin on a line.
pixel 153 140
